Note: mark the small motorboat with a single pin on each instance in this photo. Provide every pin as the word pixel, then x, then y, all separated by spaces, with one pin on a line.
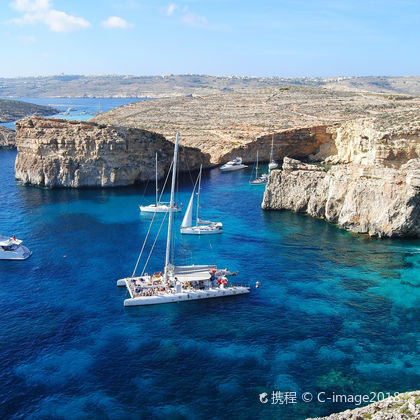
pixel 11 249
pixel 233 165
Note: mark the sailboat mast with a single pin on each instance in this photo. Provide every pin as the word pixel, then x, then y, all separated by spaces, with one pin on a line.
pixel 157 188
pixel 256 168
pixel 198 195
pixel 272 145
pixel 171 205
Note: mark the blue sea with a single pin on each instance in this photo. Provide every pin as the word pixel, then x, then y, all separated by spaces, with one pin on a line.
pixel 336 313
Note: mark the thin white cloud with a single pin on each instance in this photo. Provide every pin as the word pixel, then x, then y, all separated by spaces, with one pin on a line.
pixel 170 9
pixel 41 11
pixel 116 22
pixel 191 19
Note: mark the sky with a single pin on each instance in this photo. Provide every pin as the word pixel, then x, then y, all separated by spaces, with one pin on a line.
pixel 285 38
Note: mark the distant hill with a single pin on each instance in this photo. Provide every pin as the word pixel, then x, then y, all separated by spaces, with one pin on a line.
pixel 189 84
pixel 15 110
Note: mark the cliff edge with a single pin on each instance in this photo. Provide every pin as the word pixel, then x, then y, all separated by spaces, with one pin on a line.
pixel 59 153
pixel 371 185
pixel 7 138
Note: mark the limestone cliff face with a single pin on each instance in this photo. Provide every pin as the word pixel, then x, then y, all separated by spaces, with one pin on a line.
pixel 7 138
pixel 379 201
pixel 373 185
pixel 59 153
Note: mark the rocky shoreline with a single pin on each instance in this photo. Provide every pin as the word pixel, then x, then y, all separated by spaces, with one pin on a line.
pixel 7 138
pixel 402 407
pixel 73 154
pixel 370 185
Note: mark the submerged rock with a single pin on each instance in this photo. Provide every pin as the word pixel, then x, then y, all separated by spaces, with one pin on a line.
pixel 59 153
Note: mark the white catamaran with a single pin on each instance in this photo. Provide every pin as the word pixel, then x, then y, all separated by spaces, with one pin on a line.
pixel 159 207
pixel 202 227
pixel 272 164
pixel 258 180
pixel 11 249
pixel 177 283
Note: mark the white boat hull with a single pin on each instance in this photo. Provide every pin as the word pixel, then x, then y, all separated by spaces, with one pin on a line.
pixel 152 208
pixel 20 253
pixel 200 230
pixel 186 296
pixel 272 165
pixel 230 168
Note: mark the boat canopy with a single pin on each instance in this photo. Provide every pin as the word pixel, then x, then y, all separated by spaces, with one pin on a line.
pixel 193 272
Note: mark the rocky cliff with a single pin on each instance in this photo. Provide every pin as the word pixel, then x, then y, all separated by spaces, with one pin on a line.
pixel 402 407
pixel 7 138
pixel 228 123
pixel 59 153
pixel 372 185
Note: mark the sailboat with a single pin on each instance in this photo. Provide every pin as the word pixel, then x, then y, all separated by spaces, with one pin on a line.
pixel 202 227
pixel 258 180
pixel 159 207
pixel 272 164
pixel 177 283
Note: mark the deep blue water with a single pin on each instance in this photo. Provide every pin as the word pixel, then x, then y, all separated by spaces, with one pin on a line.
pixel 77 108
pixel 336 312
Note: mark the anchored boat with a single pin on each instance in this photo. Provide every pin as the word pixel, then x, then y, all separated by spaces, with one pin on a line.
pixel 11 249
pixel 233 165
pixel 202 227
pixel 159 207
pixel 258 180
pixel 177 283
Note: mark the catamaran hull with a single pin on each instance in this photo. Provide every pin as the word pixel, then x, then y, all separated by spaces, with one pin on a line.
pixel 186 296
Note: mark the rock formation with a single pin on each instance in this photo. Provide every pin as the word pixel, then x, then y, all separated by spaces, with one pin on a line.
pixel 402 407
pixel 7 138
pixel 59 153
pixel 11 110
pixel 372 186
pixel 228 123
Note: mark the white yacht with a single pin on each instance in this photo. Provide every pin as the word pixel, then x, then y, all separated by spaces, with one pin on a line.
pixel 176 283
pixel 258 180
pixel 158 207
pixel 272 164
pixel 233 165
pixel 11 249
pixel 202 227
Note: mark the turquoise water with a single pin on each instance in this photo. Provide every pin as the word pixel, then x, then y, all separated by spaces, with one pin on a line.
pixel 336 312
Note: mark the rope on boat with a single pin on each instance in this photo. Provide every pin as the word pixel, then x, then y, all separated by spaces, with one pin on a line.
pixel 166 180
pixel 150 226
pixel 144 244
pixel 154 243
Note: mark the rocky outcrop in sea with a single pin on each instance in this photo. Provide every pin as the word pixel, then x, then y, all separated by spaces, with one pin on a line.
pixel 371 185
pixel 7 138
pixel 59 153
pixel 402 407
